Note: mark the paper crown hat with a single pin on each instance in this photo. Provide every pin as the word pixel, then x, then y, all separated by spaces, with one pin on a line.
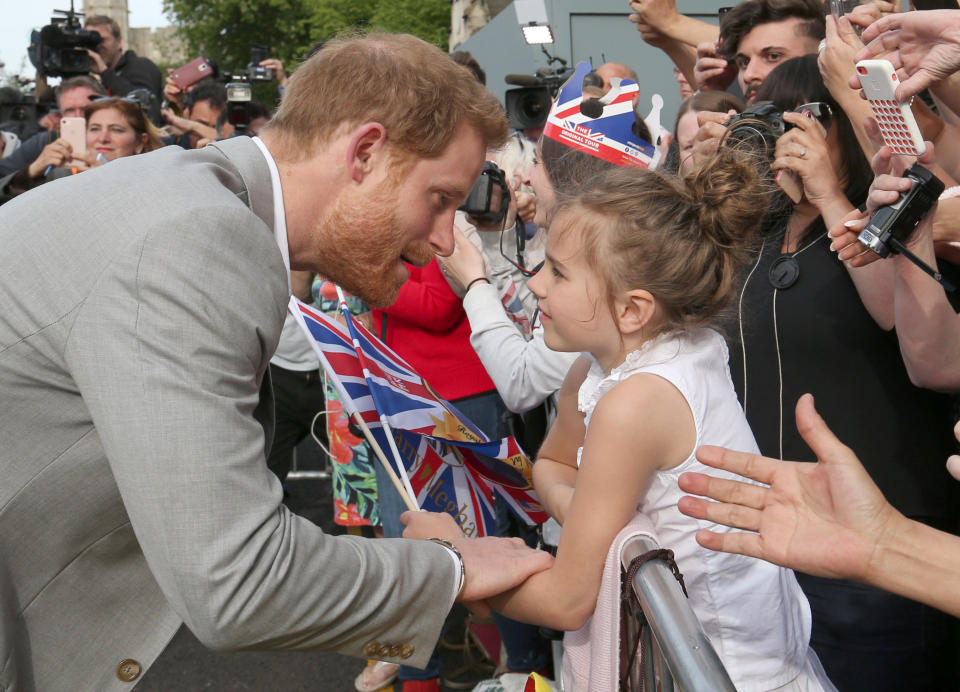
pixel 609 134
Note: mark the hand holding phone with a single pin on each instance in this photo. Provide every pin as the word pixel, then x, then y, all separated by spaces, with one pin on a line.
pixel 897 125
pixel 194 71
pixel 74 132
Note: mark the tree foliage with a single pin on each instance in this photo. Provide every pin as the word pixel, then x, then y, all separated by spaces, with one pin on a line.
pixel 225 29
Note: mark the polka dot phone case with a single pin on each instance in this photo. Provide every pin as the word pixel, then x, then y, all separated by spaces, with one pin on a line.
pixel 897 124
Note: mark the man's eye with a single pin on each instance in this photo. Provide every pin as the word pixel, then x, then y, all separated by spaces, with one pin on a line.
pixel 774 57
pixel 742 62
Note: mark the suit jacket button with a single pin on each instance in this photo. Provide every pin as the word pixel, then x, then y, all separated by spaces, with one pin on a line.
pixel 129 670
pixel 395 650
pixel 384 651
pixel 371 649
pixel 407 651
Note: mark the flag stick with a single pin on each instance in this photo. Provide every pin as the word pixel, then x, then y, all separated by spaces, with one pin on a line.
pixel 345 309
pixel 409 499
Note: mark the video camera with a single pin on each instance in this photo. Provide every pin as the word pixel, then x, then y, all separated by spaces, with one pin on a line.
pixel 759 127
pixel 253 72
pixel 489 197
pixel 529 106
pixel 57 49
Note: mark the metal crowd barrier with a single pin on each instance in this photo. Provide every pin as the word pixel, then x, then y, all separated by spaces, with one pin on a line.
pixel 679 649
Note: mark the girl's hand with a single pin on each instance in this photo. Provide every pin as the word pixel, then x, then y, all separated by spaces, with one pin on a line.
pixel 464 264
pixel 803 150
pixel 423 525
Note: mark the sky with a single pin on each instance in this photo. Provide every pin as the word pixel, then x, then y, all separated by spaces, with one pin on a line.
pixel 21 16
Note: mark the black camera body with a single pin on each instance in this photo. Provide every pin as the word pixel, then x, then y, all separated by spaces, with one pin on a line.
pixel 529 106
pixel 254 72
pixel 895 222
pixel 759 127
pixel 489 197
pixel 57 49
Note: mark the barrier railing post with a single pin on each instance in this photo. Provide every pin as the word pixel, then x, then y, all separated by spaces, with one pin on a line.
pixel 688 653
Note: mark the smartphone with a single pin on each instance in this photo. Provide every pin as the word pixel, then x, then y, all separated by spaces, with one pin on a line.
pixel 898 127
pixel 191 73
pixel 74 131
pixel 836 8
pixel 790 183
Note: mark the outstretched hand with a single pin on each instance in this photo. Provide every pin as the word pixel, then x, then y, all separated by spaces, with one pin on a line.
pixel 924 47
pixel 825 519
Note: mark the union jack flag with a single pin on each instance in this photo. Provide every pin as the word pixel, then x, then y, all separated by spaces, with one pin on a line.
pixel 453 467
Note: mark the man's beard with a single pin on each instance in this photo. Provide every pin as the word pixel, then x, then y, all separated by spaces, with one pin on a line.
pixel 358 243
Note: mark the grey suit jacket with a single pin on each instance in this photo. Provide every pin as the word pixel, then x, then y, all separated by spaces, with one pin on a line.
pixel 140 304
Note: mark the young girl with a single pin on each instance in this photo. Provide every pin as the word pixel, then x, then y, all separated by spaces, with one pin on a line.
pixel 639 264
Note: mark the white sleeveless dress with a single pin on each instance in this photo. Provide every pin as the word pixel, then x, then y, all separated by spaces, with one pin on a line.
pixel 754 612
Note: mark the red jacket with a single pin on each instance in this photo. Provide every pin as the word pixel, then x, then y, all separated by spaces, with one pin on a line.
pixel 428 327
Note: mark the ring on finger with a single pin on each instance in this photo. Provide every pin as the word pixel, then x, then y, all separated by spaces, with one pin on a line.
pixel 803 153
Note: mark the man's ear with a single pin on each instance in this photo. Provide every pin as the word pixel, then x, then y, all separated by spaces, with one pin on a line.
pixel 366 143
pixel 634 310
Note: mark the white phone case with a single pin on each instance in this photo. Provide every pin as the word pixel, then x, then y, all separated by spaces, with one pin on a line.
pixel 897 124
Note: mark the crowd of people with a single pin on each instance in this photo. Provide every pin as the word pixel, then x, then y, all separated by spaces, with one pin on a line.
pixel 644 315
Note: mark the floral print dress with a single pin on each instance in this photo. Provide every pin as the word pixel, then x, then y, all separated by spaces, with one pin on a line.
pixel 354 480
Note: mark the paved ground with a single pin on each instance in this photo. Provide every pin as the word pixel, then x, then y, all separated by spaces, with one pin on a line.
pixel 186 666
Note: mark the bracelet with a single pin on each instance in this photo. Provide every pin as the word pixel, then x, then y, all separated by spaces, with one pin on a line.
pixel 453 549
pixel 479 278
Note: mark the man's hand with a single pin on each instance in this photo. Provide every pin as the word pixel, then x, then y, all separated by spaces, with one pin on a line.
pixel 659 15
pixel 180 125
pixel 277 66
pixel 97 64
pixel 825 519
pixel 712 72
pixel 924 47
pixel 491 565
pixel 650 35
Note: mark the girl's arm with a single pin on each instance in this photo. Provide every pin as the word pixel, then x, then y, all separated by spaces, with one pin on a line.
pixel 642 424
pixel 555 472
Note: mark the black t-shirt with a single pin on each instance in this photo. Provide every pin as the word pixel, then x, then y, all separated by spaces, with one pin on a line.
pixel 831 347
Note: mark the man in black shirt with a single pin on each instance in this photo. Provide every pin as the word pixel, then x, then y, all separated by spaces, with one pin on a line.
pixel 120 71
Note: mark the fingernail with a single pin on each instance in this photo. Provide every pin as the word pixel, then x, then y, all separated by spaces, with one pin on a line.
pixel 832 247
pixel 852 223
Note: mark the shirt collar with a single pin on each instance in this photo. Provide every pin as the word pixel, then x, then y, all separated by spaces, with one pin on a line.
pixel 279 217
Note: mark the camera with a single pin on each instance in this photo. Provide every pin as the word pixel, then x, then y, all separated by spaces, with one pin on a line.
pixel 57 49
pixel 254 72
pixel 761 125
pixel 239 95
pixel 529 106
pixel 489 197
pixel 892 225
